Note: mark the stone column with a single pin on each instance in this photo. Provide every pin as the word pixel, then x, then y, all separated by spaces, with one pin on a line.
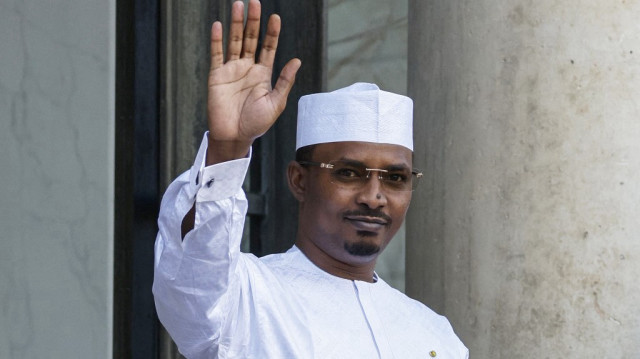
pixel 526 231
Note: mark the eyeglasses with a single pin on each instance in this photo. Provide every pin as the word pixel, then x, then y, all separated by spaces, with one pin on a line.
pixel 354 175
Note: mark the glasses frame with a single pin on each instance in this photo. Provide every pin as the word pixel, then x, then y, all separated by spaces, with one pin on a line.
pixel 416 173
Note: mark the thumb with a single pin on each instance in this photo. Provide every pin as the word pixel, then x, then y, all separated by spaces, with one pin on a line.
pixel 284 84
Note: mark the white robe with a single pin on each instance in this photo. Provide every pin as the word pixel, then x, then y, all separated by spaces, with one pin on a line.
pixel 217 302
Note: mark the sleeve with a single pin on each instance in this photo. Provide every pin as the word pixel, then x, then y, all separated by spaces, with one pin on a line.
pixel 193 277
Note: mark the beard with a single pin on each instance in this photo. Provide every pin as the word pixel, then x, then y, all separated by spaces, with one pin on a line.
pixel 361 249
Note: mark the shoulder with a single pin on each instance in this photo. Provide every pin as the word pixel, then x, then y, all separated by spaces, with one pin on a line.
pixel 275 262
pixel 291 262
pixel 273 266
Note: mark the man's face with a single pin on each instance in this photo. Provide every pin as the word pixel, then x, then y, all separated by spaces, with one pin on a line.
pixel 352 225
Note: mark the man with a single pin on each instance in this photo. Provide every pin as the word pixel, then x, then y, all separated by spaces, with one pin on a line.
pixel 353 179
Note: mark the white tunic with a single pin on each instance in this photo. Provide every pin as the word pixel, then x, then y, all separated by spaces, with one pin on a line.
pixel 217 302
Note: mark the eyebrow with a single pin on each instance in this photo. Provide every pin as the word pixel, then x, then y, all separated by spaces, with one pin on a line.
pixel 392 167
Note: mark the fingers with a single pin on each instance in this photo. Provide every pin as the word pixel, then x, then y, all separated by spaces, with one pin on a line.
pixel 217 57
pixel 235 31
pixel 284 84
pixel 251 30
pixel 270 43
pixel 244 43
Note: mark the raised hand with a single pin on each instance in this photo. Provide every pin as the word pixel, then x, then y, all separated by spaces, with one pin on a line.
pixel 241 104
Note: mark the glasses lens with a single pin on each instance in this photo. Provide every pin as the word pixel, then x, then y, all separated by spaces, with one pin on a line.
pixel 346 174
pixel 354 176
pixel 398 180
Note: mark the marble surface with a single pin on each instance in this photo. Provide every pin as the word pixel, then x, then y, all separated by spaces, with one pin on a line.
pixel 56 198
pixel 367 42
pixel 371 48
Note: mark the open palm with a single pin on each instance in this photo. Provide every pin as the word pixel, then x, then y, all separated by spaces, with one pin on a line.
pixel 241 104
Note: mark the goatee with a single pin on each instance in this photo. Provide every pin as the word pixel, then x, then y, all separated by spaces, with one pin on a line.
pixel 361 249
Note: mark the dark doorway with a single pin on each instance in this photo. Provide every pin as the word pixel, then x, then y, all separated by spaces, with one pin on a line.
pixel 161 66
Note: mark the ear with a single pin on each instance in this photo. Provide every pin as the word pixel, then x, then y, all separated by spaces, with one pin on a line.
pixel 297 177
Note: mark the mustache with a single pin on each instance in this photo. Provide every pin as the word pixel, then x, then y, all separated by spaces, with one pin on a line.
pixel 376 213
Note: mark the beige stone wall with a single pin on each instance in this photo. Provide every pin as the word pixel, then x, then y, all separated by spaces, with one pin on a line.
pixel 528 237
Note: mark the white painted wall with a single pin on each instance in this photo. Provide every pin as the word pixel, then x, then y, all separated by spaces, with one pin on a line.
pixel 56 178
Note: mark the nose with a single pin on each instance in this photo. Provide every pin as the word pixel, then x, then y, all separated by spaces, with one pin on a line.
pixel 372 192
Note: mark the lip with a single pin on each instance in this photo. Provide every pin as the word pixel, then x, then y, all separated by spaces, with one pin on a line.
pixel 366 223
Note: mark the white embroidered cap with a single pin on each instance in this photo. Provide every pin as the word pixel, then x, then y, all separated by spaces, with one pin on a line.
pixel 360 112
